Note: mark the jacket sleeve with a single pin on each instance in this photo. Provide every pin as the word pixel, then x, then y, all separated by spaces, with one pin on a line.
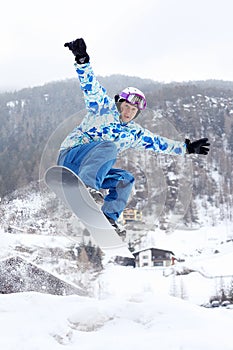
pixel 147 140
pixel 96 99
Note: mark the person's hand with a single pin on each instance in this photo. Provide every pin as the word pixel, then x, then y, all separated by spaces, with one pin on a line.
pixel 78 48
pixel 198 146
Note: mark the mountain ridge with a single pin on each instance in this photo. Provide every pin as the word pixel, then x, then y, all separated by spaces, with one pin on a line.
pixel 195 109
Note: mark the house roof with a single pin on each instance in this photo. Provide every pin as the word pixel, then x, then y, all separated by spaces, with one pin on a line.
pixel 150 248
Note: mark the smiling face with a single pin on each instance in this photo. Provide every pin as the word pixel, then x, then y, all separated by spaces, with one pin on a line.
pixel 128 111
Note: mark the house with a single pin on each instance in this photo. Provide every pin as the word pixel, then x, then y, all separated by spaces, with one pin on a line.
pixel 152 257
pixel 131 215
pixel 19 275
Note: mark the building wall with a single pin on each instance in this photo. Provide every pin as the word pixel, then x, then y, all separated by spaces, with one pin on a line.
pixel 145 258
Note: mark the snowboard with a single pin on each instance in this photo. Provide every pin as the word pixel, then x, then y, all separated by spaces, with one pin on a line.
pixel 74 194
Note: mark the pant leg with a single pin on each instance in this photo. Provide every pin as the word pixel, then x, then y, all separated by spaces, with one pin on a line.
pixel 91 162
pixel 119 183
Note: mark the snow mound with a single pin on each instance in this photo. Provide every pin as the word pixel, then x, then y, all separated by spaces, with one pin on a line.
pixel 136 317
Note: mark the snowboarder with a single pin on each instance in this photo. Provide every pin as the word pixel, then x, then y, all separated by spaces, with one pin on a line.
pixel 108 128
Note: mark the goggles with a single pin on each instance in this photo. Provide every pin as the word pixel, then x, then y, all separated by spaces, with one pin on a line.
pixel 134 99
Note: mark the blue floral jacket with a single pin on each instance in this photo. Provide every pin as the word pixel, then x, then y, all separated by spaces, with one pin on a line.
pixel 102 122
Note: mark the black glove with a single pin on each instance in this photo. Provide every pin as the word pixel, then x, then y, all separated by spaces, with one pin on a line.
pixel 198 146
pixel 78 48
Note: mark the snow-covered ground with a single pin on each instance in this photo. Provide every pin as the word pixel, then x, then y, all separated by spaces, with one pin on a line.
pixel 129 308
pixel 125 308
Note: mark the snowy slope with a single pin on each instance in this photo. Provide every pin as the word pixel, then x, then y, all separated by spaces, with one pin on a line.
pixel 127 308
pixel 126 316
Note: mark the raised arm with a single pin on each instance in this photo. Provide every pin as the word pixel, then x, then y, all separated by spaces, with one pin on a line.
pixel 96 99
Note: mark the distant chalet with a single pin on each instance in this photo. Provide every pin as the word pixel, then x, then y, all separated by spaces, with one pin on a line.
pixel 154 257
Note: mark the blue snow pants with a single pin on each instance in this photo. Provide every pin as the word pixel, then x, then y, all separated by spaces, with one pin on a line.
pixel 93 162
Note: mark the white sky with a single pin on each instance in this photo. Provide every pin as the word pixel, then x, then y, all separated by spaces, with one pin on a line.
pixel 165 40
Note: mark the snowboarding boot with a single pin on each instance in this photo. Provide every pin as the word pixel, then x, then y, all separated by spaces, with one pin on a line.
pixel 120 230
pixel 96 195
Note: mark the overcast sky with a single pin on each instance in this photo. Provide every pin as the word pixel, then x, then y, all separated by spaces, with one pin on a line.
pixel 165 40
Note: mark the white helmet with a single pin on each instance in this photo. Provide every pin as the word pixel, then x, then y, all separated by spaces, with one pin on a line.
pixel 134 96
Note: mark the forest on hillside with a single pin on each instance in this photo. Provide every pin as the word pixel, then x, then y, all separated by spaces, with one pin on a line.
pixel 29 118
